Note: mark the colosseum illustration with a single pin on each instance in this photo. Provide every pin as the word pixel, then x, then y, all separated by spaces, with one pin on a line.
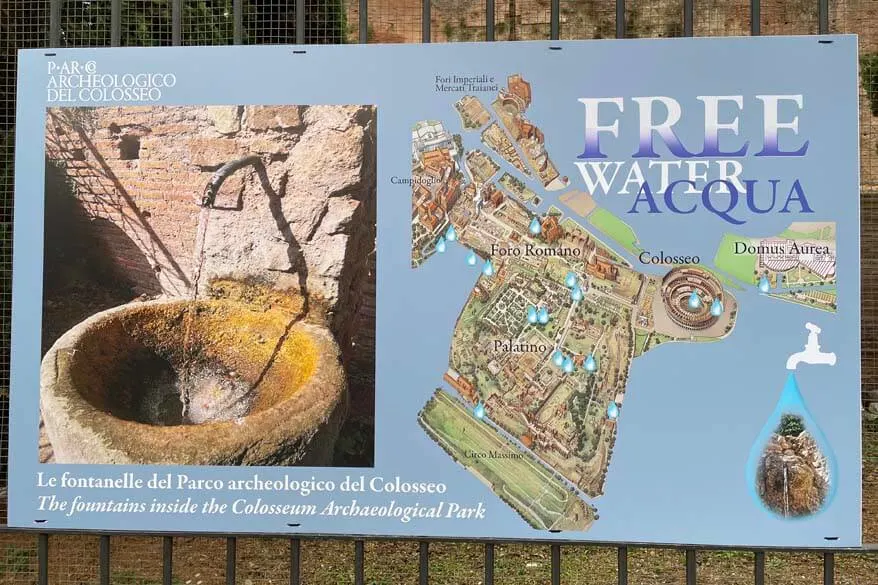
pixel 693 302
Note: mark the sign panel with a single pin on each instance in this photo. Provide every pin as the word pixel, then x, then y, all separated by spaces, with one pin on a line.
pixel 601 291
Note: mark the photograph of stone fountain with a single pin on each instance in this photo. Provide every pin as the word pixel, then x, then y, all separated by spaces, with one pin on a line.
pixel 209 285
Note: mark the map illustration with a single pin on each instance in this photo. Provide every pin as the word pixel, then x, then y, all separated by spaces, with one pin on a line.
pixel 543 346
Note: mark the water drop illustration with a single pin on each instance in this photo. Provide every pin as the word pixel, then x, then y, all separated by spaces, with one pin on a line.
pixel 558 358
pixel 570 280
pixel 531 314
pixel 479 411
pixel 450 234
pixel 543 315
pixel 694 300
pixel 440 245
pixel 764 285
pixel 471 258
pixel 576 293
pixel 535 227
pixel 612 411
pixel 590 363
pixel 488 270
pixel 716 307
pixel 791 471
pixel 568 365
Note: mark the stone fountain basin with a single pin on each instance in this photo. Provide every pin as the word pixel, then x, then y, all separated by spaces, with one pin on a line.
pixel 264 388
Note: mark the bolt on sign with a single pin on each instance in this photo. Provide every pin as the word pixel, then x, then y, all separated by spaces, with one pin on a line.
pixel 508 290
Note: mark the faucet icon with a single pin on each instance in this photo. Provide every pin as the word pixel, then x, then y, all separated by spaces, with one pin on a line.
pixel 812 353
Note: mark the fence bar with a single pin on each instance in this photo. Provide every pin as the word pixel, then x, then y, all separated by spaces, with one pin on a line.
pixel 823 17
pixel 425 21
pixel 489 20
pixel 295 561
pixel 364 21
pixel 359 553
pixel 622 565
pixel 555 20
pixel 104 560
pixel 424 563
pixel 176 22
pixel 691 567
pixel 167 560
pixel 620 19
pixel 828 568
pixel 237 21
pixel 759 568
pixel 55 23
pixel 43 559
pixel 688 17
pixel 231 560
pixel 755 21
pixel 489 563
pixel 300 22
pixel 556 564
pixel 116 23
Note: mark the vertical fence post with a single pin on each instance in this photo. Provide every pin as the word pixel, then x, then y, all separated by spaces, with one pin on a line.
pixel 359 553
pixel 622 565
pixel 425 21
pixel 489 563
pixel 55 23
pixel 176 22
pixel 295 561
pixel 759 568
pixel 104 560
pixel 364 21
pixel 231 560
pixel 828 568
pixel 423 563
pixel 300 22
pixel 691 567
pixel 115 23
pixel 43 559
pixel 238 21
pixel 823 17
pixel 489 20
pixel 620 20
pixel 556 564
pixel 755 17
pixel 167 560
pixel 555 20
pixel 688 17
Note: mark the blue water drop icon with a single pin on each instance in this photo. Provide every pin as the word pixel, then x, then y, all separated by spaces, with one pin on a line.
pixel 535 227
pixel 694 300
pixel 488 270
pixel 558 358
pixel 612 411
pixel 568 365
pixel 471 258
pixel 576 293
pixel 791 472
pixel 764 285
pixel 570 280
pixel 440 245
pixel 716 307
pixel 543 315
pixel 531 314
pixel 590 363
pixel 450 234
pixel 479 411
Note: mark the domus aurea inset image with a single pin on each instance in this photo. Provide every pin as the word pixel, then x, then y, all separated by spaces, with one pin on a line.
pixel 209 288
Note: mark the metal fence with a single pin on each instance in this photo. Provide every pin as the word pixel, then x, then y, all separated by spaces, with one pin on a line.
pixel 33 557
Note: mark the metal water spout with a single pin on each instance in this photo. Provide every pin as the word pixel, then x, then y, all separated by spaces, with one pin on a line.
pixel 221 174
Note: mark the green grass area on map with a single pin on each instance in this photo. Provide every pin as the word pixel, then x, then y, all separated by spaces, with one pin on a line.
pixel 741 266
pixel 615 228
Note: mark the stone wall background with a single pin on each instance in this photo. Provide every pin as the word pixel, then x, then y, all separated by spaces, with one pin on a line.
pixel 307 223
